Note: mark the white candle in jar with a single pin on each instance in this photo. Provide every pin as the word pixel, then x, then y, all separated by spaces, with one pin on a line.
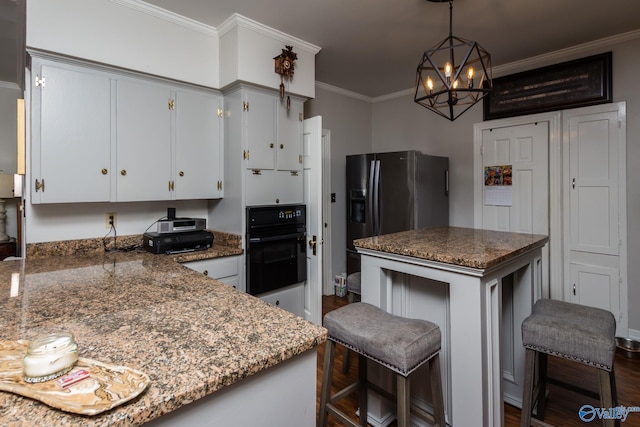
pixel 49 356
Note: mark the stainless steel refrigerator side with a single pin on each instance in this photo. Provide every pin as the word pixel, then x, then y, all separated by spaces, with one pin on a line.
pixel 397 187
pixel 433 194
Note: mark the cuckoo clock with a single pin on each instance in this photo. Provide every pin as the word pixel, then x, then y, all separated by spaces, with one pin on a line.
pixel 284 65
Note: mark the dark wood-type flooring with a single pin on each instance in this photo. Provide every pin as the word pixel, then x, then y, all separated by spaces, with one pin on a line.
pixel 562 405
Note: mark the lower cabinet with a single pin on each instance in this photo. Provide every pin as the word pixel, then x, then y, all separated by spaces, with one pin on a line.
pixel 226 269
pixel 290 298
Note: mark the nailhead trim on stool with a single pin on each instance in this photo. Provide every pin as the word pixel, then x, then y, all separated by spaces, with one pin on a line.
pixel 574 332
pixel 400 344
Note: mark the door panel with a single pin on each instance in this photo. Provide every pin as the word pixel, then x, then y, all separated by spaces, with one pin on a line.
pixel 594 183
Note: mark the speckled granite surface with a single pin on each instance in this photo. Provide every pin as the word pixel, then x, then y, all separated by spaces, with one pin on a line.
pixel 191 334
pixel 224 244
pixel 467 247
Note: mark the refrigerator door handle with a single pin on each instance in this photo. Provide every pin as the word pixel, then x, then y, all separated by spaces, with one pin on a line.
pixel 446 182
pixel 376 200
pixel 370 215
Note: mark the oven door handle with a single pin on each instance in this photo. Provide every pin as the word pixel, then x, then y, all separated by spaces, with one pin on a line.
pixel 275 238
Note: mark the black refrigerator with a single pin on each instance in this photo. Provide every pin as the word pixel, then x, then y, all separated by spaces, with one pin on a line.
pixel 391 192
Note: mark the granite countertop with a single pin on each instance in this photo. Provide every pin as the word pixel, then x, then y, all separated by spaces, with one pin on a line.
pixel 191 334
pixel 467 247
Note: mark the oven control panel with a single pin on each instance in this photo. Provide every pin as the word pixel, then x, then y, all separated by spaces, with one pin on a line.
pixel 278 216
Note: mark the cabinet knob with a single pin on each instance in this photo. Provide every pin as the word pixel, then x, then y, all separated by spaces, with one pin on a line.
pixel 271 145
pixel 277 200
pixel 181 173
pixel 123 172
pixel 281 146
pixel 104 171
pixel 206 272
pixel 277 302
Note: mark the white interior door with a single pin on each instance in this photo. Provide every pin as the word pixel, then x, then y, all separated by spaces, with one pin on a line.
pixel 595 209
pixel 312 149
pixel 521 152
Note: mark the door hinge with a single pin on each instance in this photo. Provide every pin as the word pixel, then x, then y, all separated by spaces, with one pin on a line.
pixel 40 81
pixel 171 185
pixel 171 104
pixel 219 185
pixel 300 117
pixel 40 185
pixel 256 171
pixel 245 154
pixel 245 106
pixel 300 159
pixel 220 112
pixel 294 173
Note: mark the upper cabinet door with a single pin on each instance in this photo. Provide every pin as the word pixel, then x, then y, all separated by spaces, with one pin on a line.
pixel 71 135
pixel 260 110
pixel 144 125
pixel 199 158
pixel 289 149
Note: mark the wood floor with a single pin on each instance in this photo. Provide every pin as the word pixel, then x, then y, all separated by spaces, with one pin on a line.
pixel 562 405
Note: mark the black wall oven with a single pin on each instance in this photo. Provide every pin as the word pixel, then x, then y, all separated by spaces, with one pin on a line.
pixel 276 247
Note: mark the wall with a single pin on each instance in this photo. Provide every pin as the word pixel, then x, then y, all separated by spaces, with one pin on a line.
pixel 348 117
pixel 8 95
pixel 130 35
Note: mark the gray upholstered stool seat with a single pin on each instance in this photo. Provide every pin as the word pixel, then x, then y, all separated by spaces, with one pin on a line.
pixel 398 343
pixel 574 332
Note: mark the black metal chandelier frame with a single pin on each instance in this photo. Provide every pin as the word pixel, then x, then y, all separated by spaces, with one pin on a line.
pixel 454 90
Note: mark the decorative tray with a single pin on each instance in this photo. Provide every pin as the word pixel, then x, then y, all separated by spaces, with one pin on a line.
pixel 107 387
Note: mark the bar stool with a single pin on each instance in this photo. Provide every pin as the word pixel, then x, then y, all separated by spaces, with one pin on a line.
pixel 353 295
pixel 574 332
pixel 397 343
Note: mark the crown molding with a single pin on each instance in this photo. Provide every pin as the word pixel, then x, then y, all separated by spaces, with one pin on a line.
pixel 9 85
pixel 168 16
pixel 237 20
pixel 560 55
pixel 344 92
pixel 512 67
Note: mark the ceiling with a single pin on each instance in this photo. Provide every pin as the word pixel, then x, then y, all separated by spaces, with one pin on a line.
pixel 372 47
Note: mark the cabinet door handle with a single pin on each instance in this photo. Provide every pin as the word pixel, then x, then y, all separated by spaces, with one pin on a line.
pixel 181 173
pixel 123 172
pixel 573 183
pixel 104 171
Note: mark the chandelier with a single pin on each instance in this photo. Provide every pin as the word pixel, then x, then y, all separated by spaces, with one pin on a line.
pixel 453 75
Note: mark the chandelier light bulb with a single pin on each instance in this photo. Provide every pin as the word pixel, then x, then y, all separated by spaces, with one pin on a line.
pixel 447 70
pixel 429 84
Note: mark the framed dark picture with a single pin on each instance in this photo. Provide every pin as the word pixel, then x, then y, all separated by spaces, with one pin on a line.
pixel 577 83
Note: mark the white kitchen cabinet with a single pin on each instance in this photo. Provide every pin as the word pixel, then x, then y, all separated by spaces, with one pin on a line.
pixel 290 298
pixel 228 270
pixel 199 158
pixel 273 132
pixel 143 117
pixel 71 134
pixel 268 138
pixel 273 187
pixel 101 135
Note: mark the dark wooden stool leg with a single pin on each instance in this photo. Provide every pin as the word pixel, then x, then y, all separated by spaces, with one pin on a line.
pixel 527 395
pixel 436 391
pixel 403 410
pixel 607 395
pixel 345 360
pixel 542 385
pixel 362 377
pixel 327 373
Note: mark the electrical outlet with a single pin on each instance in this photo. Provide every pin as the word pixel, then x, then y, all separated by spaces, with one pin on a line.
pixel 110 219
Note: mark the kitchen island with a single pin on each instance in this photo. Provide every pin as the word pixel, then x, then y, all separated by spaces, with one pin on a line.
pixel 455 277
pixel 207 348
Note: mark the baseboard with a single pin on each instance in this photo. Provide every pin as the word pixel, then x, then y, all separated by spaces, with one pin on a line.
pixel 634 334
